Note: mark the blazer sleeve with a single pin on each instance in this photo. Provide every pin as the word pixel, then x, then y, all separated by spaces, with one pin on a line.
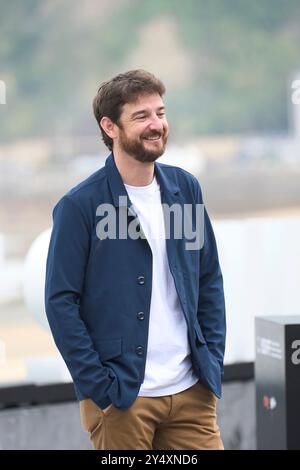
pixel 211 302
pixel 65 271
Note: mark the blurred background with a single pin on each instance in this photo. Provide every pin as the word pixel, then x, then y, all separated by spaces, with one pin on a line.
pixel 231 69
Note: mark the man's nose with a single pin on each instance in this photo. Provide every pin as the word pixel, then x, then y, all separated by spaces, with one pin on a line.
pixel 156 123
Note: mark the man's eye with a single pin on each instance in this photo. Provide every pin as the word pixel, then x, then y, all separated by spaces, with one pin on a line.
pixel 161 114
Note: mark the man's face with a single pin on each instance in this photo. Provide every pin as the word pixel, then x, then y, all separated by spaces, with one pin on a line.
pixel 143 128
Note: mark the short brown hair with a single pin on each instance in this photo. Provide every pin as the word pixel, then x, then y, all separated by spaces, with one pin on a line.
pixel 122 89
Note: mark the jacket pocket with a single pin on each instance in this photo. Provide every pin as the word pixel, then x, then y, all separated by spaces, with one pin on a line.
pixel 108 348
pixel 199 334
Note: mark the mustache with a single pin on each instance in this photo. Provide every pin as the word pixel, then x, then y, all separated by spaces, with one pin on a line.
pixel 153 134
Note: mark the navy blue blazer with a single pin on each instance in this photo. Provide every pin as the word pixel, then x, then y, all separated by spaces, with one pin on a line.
pixel 98 291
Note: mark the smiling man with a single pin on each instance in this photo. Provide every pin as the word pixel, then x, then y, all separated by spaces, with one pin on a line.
pixel 138 318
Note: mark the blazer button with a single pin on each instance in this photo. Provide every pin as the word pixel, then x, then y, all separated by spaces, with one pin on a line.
pixel 141 315
pixel 139 350
pixel 141 280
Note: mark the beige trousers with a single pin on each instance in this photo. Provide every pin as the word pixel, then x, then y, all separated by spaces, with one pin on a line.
pixel 182 421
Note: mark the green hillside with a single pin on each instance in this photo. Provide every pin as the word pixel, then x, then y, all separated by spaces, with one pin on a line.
pixel 226 63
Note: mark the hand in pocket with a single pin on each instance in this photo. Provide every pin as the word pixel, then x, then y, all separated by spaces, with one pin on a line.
pixel 106 409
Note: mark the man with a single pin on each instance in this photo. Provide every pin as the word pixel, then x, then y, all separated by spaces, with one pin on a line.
pixel 137 309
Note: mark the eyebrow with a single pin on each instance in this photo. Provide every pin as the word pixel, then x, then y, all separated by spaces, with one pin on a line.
pixel 143 111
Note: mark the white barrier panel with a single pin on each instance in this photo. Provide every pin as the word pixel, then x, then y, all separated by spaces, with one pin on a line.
pixel 260 260
pixel 10 276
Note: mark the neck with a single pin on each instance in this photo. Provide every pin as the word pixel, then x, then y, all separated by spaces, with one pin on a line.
pixel 132 171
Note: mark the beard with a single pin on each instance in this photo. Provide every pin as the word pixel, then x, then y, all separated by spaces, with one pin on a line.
pixel 142 150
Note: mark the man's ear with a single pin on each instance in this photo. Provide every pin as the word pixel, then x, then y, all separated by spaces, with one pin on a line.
pixel 109 127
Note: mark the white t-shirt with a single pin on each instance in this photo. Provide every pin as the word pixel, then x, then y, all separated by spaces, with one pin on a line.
pixel 168 364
